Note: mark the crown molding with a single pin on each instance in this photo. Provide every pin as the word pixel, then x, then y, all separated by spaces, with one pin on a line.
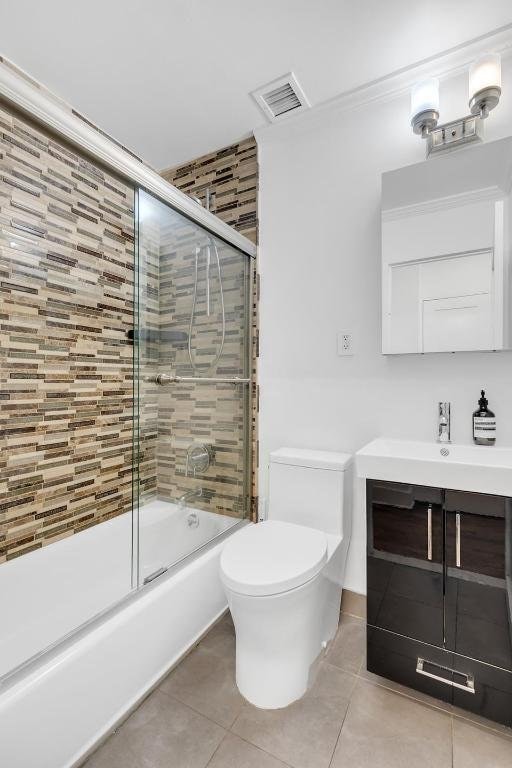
pixel 444 65
pixel 41 105
pixel 485 194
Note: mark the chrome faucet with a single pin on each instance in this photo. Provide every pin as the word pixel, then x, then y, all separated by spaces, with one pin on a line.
pixel 443 423
pixel 192 494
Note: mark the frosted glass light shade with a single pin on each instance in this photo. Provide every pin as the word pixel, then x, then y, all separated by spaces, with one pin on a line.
pixel 425 97
pixel 485 72
pixel 484 84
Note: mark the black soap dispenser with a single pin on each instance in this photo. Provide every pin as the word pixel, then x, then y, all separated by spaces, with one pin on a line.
pixel 484 423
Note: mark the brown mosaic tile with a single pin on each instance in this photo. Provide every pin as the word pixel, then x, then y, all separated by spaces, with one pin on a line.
pixel 231 176
pixel 66 362
pixel 66 305
pixel 187 413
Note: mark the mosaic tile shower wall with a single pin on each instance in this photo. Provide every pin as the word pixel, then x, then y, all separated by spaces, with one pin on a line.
pixel 66 305
pixel 66 377
pixel 231 176
pixel 189 413
pixel 147 358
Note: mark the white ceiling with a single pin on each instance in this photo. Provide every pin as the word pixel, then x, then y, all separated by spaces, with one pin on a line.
pixel 171 78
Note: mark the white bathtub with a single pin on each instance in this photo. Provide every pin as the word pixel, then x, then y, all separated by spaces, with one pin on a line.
pixel 72 695
pixel 168 534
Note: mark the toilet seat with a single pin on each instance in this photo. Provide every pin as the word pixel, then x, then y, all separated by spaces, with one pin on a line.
pixel 272 557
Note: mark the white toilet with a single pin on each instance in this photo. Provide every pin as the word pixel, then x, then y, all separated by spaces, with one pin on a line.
pixel 283 577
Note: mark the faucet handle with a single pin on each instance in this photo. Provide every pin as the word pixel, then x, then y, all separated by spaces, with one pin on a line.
pixel 199 458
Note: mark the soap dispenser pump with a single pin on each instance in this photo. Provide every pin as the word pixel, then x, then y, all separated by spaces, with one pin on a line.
pixel 484 423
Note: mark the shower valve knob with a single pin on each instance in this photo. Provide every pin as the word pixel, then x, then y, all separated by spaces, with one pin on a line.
pixel 199 458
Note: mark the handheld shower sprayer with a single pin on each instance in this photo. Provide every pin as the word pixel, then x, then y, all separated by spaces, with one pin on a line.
pixel 210 247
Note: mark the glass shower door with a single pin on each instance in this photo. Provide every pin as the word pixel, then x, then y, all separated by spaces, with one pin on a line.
pixel 193 349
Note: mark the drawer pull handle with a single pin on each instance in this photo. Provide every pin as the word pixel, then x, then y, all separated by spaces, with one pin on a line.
pixel 469 687
pixel 457 539
pixel 429 532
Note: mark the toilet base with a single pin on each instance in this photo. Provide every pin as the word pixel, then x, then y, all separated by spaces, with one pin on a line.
pixel 279 638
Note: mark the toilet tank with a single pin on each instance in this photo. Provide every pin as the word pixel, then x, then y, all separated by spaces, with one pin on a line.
pixel 311 488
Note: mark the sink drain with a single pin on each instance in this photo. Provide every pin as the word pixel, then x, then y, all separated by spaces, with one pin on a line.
pixel 445 452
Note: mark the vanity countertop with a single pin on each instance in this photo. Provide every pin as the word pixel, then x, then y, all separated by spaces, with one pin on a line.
pixel 481 469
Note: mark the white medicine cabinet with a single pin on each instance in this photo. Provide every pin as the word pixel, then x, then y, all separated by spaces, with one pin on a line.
pixel 446 252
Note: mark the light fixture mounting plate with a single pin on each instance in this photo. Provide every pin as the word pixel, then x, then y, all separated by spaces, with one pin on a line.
pixel 455 134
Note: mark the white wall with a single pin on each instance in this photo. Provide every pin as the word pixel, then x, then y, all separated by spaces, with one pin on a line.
pixel 320 273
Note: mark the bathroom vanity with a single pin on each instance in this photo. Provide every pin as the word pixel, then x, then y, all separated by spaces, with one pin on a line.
pixel 439 572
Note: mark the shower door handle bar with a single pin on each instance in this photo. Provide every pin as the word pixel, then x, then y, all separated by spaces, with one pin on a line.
pixel 165 378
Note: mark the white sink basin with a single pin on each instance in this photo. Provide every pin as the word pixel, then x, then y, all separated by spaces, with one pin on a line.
pixel 477 468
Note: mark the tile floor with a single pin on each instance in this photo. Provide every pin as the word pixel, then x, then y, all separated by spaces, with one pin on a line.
pixel 349 718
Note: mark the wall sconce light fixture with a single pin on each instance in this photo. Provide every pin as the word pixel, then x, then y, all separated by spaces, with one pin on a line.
pixel 425 106
pixel 484 84
pixel 484 95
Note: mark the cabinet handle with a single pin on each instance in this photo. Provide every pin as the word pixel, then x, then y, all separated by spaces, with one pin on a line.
pixel 457 539
pixel 469 687
pixel 429 532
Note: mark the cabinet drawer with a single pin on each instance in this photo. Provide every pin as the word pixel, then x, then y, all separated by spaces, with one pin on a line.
pixel 396 658
pixel 466 683
pixel 402 495
pixel 493 690
pixel 475 503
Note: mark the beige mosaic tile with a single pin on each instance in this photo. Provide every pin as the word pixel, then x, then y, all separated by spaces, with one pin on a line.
pixel 66 309
pixel 231 176
pixel 66 304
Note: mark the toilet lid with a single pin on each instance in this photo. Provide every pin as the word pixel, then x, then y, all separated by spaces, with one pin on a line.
pixel 272 557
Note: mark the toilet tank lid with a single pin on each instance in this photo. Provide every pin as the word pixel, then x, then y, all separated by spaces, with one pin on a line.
pixel 306 457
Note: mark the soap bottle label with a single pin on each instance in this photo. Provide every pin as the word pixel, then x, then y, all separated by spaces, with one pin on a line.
pixel 484 426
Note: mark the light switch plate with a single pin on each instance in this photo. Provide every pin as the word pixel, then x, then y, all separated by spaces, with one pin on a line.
pixel 345 341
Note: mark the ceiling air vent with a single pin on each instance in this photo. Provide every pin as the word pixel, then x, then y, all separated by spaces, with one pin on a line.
pixel 281 98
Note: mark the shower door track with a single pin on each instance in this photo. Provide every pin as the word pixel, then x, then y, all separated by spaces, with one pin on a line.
pixel 18 673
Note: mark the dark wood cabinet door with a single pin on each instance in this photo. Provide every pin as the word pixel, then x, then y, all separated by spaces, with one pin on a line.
pixel 405 560
pixel 478 584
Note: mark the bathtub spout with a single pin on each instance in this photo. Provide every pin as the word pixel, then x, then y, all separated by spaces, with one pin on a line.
pixel 193 494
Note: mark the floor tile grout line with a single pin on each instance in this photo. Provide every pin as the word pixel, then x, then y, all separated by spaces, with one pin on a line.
pixel 173 696
pixel 270 754
pixel 410 694
pixel 216 749
pixel 343 723
pixel 404 694
pixel 477 724
pixel 353 616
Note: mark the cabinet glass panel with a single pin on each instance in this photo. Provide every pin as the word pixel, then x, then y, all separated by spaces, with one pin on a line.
pixel 405 560
pixel 478 577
